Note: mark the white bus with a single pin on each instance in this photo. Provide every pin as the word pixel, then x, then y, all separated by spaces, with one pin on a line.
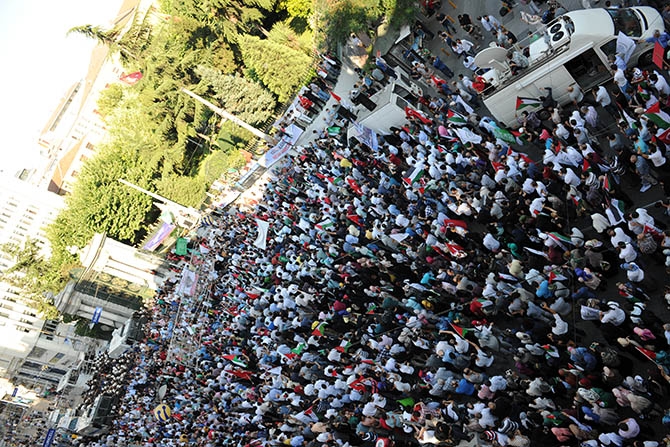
pixel 573 49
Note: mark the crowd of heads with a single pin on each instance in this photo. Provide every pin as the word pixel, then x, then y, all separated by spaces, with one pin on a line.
pixel 446 284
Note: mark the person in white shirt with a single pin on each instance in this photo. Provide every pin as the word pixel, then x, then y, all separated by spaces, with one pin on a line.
pixel 559 327
pixel 569 177
pixel 656 157
pixel 603 99
pixel 659 82
pixel 490 23
pixel 620 79
pixel 614 315
pixel 491 243
pixel 633 272
pixel 627 252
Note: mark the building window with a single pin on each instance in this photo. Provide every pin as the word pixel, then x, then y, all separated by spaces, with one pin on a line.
pixel 37 352
pixel 56 358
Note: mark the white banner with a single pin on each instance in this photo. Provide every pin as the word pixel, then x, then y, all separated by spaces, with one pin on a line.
pixel 261 240
pixel 188 283
pixel 292 133
pixel 467 136
pixel 625 46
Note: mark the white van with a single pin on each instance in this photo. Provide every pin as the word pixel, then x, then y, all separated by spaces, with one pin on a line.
pixel 574 50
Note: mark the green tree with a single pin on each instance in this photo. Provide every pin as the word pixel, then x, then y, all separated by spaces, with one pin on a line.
pixel 247 100
pixel 281 69
pixel 225 19
pixel 298 8
pixel 109 99
pixel 187 191
pixel 34 276
pixel 99 203
pixel 108 38
pixel 284 34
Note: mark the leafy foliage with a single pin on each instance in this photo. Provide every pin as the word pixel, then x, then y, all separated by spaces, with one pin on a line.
pixel 281 69
pixel 34 276
pixel 298 8
pixel 247 100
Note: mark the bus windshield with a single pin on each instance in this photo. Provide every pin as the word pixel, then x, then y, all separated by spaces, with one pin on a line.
pixel 625 21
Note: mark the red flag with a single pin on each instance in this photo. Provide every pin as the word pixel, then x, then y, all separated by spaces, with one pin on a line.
pixel 455 249
pixel 244 375
pixel 552 276
pixel 335 97
pixel 651 355
pixel 657 55
pixel 455 223
pixel 355 218
pixel 132 78
pixel 664 137
pixel 459 330
pixel 411 113
pixel 353 185
pixel 586 166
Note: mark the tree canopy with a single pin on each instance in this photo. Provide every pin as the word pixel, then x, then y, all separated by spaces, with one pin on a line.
pixel 34 275
pixel 247 56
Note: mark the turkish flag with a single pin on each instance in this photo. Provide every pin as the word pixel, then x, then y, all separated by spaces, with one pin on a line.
pixel 132 78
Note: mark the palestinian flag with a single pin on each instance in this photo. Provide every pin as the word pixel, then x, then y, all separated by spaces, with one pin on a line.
pixel 235 360
pixel 552 277
pixel 655 114
pixel 606 183
pixel 615 212
pixel 371 308
pixel 643 92
pixel 344 346
pixel 325 225
pixel 521 138
pixel 414 176
pixel 527 103
pixel 459 330
pixel 558 237
pixel 455 118
pixel 318 329
pixel 586 166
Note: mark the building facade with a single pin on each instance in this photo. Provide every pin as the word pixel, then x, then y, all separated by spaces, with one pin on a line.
pixel 25 211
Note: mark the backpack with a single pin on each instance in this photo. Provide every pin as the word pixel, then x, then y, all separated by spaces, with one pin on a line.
pixel 610 357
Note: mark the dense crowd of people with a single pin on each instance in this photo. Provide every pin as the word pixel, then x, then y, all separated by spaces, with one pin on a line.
pixel 445 285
